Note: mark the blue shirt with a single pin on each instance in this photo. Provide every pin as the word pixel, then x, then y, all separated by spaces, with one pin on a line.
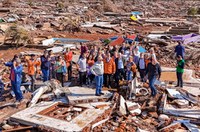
pixel 141 63
pixel 17 72
pixel 180 50
pixel 120 64
pixel 136 59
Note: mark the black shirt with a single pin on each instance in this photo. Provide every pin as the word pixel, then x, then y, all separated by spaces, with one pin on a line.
pixel 153 70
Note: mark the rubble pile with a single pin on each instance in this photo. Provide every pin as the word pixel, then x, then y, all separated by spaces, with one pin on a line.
pixel 32 26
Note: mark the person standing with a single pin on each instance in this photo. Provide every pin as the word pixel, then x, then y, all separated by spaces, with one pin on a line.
pixel 154 72
pixel 52 57
pixel 180 50
pixel 141 67
pixel 68 59
pixel 135 58
pixel 90 63
pixel 152 53
pixel 123 48
pixel 146 59
pixel 32 63
pixel 109 70
pixel 60 68
pixel 136 51
pixel 130 69
pixel 82 66
pixel 45 66
pixel 16 78
pixel 120 73
pixel 84 49
pixel 98 69
pixel 179 71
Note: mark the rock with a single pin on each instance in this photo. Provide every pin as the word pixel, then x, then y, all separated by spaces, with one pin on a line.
pixel 144 114
pixel 140 130
pixel 7 127
pixel 163 117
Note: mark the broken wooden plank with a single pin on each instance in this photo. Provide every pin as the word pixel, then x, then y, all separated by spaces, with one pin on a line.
pixel 171 127
pixel 19 129
pixel 99 123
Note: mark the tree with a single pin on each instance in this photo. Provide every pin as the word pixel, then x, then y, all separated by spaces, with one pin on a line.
pixel 17 35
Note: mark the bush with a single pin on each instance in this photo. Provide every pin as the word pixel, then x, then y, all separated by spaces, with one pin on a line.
pixel 17 35
pixel 192 11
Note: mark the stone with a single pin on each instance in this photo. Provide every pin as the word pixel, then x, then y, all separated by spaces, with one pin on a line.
pixel 163 117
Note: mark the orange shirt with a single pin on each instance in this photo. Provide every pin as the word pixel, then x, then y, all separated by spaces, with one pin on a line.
pixel 109 66
pixel 134 68
pixel 31 66
pixel 147 62
pixel 90 63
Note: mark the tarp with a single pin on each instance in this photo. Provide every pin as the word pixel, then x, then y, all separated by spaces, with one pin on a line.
pixel 183 37
pixel 128 39
pixel 136 13
pixel 134 18
pixel 63 40
pixel 189 38
pixel 118 41
pixel 141 49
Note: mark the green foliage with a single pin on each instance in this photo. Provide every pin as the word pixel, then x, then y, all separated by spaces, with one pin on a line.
pixel 192 11
pixel 30 3
pixel 60 5
pixel 17 35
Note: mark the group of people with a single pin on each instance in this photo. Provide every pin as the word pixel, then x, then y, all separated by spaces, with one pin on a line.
pixel 117 63
pixel 106 65
pixel 48 65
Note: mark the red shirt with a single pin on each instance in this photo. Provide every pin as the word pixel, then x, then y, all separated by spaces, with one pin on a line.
pixel 68 56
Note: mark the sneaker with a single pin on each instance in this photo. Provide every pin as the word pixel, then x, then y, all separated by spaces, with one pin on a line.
pixel 176 86
pixel 17 103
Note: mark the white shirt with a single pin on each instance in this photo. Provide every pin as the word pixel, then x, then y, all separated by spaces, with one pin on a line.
pixel 98 68
pixel 82 65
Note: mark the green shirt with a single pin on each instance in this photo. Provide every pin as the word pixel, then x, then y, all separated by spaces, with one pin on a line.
pixel 59 64
pixel 180 67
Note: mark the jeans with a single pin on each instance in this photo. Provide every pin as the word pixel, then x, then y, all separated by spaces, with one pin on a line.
pixel 60 77
pixel 16 89
pixel 107 80
pixel 99 84
pixel 32 82
pixel 151 85
pixel 142 74
pixel 45 75
pixel 129 75
pixel 82 77
pixel 179 79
